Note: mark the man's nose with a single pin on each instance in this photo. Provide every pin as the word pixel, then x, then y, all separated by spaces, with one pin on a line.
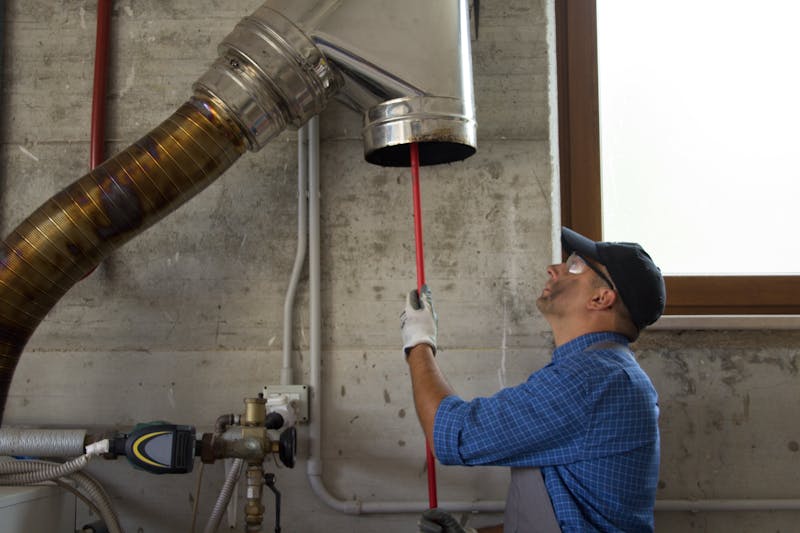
pixel 553 271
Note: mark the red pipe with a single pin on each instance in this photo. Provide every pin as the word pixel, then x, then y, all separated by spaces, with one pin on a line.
pixel 97 138
pixel 97 134
pixel 431 462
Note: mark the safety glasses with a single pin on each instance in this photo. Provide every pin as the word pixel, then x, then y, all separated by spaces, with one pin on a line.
pixel 577 265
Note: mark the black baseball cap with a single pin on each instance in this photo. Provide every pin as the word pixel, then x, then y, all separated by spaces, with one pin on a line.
pixel 637 279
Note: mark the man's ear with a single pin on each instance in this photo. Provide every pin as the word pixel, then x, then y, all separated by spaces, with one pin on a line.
pixel 602 298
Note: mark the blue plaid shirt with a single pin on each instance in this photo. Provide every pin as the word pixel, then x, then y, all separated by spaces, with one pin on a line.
pixel 588 420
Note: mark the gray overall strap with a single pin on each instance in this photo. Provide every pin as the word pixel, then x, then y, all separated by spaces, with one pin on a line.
pixel 528 506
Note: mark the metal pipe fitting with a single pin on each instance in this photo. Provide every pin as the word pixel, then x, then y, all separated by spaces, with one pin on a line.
pixel 252 444
pixel 223 421
pixel 255 411
pixel 254 508
pixel 269 75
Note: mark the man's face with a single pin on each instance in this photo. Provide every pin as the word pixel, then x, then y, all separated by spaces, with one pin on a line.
pixel 569 286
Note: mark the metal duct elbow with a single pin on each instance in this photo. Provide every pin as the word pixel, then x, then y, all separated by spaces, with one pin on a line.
pixel 406 65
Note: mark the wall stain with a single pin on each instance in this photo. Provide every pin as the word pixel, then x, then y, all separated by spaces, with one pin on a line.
pixel 733 369
pixel 716 420
pixel 678 369
pixel 378 289
pixel 386 397
pixel 401 413
pixel 788 366
pixel 495 169
pixel 343 391
pixel 744 416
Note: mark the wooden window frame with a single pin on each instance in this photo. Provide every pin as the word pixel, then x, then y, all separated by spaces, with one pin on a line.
pixel 579 158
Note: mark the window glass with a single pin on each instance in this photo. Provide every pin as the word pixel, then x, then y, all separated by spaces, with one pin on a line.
pixel 700 132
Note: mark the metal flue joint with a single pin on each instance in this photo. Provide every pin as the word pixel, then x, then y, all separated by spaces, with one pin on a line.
pixel 269 75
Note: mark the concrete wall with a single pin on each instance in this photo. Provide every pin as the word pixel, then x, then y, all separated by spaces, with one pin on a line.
pixel 185 321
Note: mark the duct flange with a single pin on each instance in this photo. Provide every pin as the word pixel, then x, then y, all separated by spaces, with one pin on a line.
pixel 444 129
pixel 269 75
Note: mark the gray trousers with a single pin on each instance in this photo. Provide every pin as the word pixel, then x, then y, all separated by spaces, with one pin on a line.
pixel 528 506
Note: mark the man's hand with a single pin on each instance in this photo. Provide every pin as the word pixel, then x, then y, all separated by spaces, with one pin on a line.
pixel 418 322
pixel 438 521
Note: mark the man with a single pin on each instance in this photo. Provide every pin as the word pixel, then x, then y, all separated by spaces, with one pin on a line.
pixel 581 434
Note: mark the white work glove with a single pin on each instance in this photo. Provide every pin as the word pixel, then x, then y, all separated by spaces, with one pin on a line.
pixel 438 521
pixel 418 322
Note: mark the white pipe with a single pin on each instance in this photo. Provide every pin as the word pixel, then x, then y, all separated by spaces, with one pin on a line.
pixel 486 506
pixel 287 375
pixel 702 506
pixel 314 466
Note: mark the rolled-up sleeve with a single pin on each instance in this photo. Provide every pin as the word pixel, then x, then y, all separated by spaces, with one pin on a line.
pixel 447 429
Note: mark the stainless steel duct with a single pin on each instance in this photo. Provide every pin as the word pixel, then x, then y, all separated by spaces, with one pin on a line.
pixel 404 64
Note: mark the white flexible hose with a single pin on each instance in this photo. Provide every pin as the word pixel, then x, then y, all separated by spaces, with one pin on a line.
pixel 93 490
pixel 17 473
pixel 224 496
pixel 82 483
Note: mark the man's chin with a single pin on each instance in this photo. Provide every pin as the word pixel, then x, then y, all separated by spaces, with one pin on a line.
pixel 541 303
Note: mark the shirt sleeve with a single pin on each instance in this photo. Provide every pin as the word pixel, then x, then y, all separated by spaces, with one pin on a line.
pixel 540 422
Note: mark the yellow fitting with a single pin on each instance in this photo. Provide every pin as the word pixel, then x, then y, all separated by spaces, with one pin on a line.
pixel 255 412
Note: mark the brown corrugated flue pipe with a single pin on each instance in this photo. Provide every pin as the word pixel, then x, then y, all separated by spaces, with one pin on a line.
pixel 72 232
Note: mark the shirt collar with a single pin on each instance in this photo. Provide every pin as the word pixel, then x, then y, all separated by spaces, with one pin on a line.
pixel 579 344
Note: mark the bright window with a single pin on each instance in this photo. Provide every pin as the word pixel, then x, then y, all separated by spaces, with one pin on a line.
pixel 700 132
